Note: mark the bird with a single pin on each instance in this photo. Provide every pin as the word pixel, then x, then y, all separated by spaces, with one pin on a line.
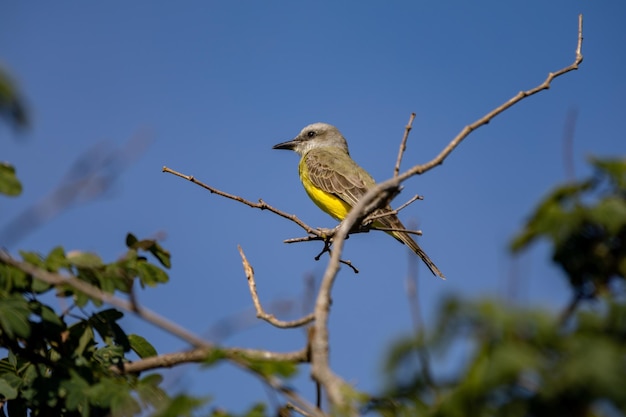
pixel 335 182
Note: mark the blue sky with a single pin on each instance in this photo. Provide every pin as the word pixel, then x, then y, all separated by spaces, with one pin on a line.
pixel 214 85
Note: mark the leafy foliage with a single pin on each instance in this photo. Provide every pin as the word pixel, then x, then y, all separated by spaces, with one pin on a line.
pixel 64 364
pixel 11 103
pixel 527 362
pixel 519 363
pixel 9 184
pixel 586 224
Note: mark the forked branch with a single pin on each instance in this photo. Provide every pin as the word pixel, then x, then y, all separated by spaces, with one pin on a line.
pixel 375 198
pixel 260 312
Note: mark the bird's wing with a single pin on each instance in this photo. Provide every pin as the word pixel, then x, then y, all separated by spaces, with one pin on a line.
pixel 336 173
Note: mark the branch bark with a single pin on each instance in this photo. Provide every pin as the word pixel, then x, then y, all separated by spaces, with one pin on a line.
pixel 375 198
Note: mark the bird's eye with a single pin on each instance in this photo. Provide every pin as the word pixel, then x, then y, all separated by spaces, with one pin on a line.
pixel 310 133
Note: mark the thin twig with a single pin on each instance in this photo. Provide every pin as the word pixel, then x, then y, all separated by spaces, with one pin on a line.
pixel 260 313
pixel 297 409
pixel 407 129
pixel 393 212
pixel 262 205
pixel 438 160
pixel 375 198
pixel 169 360
pixel 411 201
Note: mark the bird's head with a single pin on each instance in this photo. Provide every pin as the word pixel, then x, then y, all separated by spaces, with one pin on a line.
pixel 316 135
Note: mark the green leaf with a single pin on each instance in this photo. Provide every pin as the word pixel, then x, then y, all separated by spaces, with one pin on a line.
pixel 141 346
pixel 161 254
pixel 114 394
pixel 285 369
pixel 149 391
pixel 85 335
pixel 9 386
pixel 151 275
pixel 14 314
pixel 611 213
pixel 50 317
pixel 12 278
pixel 110 355
pixel 180 406
pixel 131 240
pixel 105 323
pixel 6 366
pixel 84 259
pixel 75 391
pixel 56 259
pixel 9 184
pixel 615 168
pixel 152 246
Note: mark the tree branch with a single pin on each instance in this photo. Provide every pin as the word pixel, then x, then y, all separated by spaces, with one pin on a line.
pixel 375 198
pixel 169 360
pixel 407 129
pixel 260 313
pixel 261 205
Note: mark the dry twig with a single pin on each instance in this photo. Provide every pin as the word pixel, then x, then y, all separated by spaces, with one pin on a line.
pixel 262 205
pixel 407 129
pixel 260 313
pixel 376 198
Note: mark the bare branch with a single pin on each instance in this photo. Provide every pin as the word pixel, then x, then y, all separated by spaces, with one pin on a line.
pixel 438 160
pixel 394 212
pixel 407 129
pixel 262 205
pixel 375 198
pixel 260 313
pixel 297 409
pixel 169 360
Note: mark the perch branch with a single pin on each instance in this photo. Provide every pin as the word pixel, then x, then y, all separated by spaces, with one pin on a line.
pixel 261 205
pixel 376 198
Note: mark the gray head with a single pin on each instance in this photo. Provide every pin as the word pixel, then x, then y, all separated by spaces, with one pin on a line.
pixel 316 135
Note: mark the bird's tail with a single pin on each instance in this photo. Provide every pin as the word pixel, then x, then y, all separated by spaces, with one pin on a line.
pixel 408 240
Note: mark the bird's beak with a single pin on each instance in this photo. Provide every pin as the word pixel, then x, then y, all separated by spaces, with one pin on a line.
pixel 289 145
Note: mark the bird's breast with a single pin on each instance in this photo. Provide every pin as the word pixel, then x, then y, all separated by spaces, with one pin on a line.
pixel 328 202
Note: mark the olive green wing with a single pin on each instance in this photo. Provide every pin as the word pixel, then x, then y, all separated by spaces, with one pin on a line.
pixel 334 172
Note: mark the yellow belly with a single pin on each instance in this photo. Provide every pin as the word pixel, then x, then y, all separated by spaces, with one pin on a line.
pixel 330 203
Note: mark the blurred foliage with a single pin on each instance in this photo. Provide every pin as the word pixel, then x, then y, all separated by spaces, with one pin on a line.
pixel 13 110
pixel 12 106
pixel 9 184
pixel 518 362
pixel 585 222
